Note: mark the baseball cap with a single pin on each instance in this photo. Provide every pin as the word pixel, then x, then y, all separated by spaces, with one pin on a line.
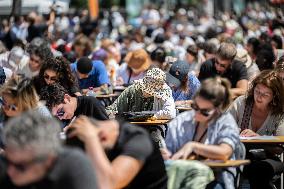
pixel 178 71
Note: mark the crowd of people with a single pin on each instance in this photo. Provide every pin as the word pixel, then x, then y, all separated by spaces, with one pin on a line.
pixel 55 133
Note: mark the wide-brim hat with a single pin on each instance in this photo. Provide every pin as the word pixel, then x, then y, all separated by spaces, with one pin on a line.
pixel 138 60
pixel 154 83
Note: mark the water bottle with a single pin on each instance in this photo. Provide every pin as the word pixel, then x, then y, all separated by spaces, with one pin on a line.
pixel 91 92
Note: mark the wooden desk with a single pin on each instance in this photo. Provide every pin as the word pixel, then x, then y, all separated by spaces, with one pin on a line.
pixel 107 99
pixel 277 140
pixel 225 164
pixel 153 123
pixel 106 95
pixel 119 88
pixel 220 166
pixel 183 108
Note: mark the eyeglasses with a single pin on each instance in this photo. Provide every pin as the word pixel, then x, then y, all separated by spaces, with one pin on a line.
pixel 204 112
pixel 264 95
pixel 3 103
pixel 22 167
pixel 47 77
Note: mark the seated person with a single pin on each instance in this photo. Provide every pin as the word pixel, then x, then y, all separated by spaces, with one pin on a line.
pixel 56 70
pixel 158 58
pixel 34 157
pixel 206 131
pixel 148 94
pixel 260 112
pixel 39 51
pixel 225 66
pixel 19 95
pixel 65 107
pixel 136 64
pixel 183 84
pixel 123 155
pixel 244 57
pixel 193 59
pixel 90 74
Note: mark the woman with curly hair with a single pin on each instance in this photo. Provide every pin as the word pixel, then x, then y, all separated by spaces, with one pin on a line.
pixel 57 70
pixel 261 112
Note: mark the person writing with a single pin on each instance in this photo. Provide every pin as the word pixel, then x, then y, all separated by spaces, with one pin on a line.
pixel 206 131
pixel 260 112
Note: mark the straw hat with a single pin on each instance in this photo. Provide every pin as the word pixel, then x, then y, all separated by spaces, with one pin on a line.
pixel 138 60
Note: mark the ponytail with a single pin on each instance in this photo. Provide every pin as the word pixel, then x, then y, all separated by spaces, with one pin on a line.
pixel 217 91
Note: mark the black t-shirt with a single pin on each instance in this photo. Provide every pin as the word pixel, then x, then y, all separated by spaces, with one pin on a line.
pixel 71 170
pixel 135 142
pixel 91 107
pixel 236 72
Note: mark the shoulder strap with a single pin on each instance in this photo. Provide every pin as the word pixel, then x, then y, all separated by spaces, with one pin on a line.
pixel 246 115
pixel 130 73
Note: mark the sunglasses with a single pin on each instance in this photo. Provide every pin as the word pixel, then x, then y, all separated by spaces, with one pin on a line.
pixel 47 77
pixel 60 112
pixel 219 64
pixel 3 103
pixel 22 167
pixel 204 112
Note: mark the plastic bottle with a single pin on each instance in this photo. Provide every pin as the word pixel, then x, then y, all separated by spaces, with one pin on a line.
pixel 91 92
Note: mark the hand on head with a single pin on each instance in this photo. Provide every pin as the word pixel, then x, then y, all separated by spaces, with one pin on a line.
pixel 82 128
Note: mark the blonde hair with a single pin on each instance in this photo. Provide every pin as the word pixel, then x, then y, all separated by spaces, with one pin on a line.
pixel 21 89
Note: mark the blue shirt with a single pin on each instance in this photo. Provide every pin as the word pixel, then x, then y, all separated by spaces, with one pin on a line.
pixel 97 77
pixel 193 86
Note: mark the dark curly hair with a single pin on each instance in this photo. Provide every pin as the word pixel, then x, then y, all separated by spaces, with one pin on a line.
pixel 53 94
pixel 270 79
pixel 61 66
pixel 40 48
